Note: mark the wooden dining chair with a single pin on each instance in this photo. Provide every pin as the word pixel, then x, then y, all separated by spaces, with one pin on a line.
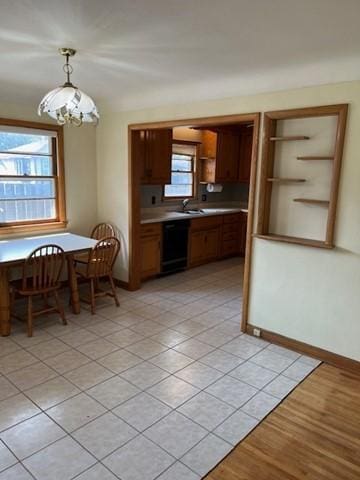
pixel 99 266
pixel 103 230
pixel 41 277
pixel 100 231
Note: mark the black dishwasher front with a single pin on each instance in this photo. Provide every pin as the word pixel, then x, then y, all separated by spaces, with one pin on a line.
pixel 175 245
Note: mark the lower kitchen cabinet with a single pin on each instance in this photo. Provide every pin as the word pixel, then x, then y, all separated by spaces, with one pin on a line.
pixel 204 240
pixel 150 243
pixel 204 246
pixel 233 235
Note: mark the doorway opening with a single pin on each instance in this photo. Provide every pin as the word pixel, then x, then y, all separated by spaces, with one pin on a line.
pixel 185 167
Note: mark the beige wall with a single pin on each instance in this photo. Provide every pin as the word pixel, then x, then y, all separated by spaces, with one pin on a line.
pixel 309 294
pixel 80 168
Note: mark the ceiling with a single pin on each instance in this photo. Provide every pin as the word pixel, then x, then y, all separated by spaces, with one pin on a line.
pixel 142 53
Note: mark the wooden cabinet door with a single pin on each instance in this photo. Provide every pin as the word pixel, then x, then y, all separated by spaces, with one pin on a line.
pixel 150 256
pixel 227 157
pixel 208 144
pixel 197 240
pixel 138 142
pixel 158 156
pixel 211 244
pixel 246 142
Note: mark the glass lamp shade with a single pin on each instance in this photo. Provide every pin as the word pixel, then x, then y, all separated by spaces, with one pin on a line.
pixel 68 104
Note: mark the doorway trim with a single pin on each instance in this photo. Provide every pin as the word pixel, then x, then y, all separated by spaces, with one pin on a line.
pixel 135 204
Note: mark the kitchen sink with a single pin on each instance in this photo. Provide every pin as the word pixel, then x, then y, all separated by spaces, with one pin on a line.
pixel 189 212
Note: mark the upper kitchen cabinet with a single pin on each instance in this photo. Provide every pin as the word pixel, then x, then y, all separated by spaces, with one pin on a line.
pixel 219 156
pixel 153 149
pixel 246 143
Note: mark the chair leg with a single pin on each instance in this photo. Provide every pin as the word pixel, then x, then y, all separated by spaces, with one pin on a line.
pixel 113 289
pixel 60 307
pixel 30 317
pixel 92 296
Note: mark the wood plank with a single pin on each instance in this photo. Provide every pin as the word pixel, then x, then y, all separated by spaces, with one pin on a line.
pixel 285 180
pixel 314 158
pixel 312 201
pixel 289 138
pixel 313 434
pixel 299 241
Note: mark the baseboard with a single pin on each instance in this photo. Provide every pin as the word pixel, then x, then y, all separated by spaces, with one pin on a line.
pixel 319 353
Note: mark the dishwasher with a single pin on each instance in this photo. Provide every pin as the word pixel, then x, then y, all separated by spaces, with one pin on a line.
pixel 175 246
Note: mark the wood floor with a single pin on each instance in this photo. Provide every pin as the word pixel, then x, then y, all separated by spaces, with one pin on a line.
pixel 314 435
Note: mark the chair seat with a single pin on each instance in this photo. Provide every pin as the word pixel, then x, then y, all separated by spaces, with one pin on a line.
pixel 81 258
pixel 17 286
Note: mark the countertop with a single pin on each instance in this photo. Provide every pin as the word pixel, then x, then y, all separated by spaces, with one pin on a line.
pixel 164 216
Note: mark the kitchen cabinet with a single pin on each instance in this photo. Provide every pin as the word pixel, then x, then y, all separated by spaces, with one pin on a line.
pixel 233 235
pixel 230 235
pixel 227 158
pixel 246 142
pixel 153 151
pixel 204 240
pixel 204 246
pixel 219 156
pixel 150 242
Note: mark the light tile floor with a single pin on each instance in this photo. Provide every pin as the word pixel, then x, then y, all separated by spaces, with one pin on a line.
pixel 161 388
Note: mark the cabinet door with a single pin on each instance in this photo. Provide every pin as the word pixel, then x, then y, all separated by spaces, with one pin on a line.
pixel 211 244
pixel 196 247
pixel 139 154
pixel 208 144
pixel 158 156
pixel 246 142
pixel 227 157
pixel 150 256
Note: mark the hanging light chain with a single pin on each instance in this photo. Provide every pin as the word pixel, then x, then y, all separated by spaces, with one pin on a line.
pixel 68 69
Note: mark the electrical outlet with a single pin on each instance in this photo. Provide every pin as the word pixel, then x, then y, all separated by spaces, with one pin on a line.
pixel 153 200
pixel 257 332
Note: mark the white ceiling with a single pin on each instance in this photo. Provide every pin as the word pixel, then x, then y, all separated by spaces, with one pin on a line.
pixel 140 53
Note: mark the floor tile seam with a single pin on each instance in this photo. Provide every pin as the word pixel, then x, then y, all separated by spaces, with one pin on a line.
pixel 140 434
pixel 23 466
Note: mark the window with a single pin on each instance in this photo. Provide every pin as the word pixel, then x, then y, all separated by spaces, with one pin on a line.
pixel 182 176
pixel 31 175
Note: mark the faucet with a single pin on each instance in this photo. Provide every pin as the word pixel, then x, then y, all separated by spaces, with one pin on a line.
pixel 184 203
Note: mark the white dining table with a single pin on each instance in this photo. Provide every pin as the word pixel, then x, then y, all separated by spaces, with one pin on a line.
pixel 13 252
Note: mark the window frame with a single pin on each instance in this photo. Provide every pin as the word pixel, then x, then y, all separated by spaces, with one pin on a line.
pixel 57 155
pixel 194 160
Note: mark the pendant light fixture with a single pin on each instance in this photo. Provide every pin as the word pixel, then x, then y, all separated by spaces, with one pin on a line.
pixel 67 104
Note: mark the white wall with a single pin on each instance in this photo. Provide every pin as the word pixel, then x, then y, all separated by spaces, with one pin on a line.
pixel 80 168
pixel 308 294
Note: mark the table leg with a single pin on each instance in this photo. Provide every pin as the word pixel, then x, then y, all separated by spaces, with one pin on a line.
pixel 73 285
pixel 5 326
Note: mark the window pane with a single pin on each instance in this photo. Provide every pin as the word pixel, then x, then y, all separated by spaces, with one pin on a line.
pixel 23 142
pixel 178 190
pixel 12 189
pixel 11 164
pixel 181 178
pixel 181 162
pixel 23 210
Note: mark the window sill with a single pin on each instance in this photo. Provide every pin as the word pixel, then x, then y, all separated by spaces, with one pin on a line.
pixel 32 228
